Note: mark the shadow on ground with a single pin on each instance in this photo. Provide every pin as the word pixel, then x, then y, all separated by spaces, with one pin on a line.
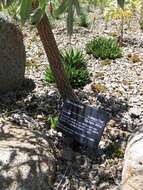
pixel 11 97
pixel 31 146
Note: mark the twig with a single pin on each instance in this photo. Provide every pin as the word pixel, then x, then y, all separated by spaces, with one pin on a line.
pixel 58 186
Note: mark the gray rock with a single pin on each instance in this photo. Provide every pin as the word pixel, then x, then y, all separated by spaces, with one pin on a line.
pixel 26 161
pixel 12 55
pixel 134 182
pixel 132 176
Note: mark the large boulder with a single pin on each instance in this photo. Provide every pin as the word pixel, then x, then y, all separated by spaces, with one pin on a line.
pixel 132 175
pixel 12 55
pixel 26 160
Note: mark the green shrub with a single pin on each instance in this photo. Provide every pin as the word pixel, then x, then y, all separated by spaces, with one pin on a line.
pixel 77 77
pixel 75 68
pixel 73 58
pixel 104 48
pixel 141 24
pixel 48 78
pixel 53 121
pixel 114 150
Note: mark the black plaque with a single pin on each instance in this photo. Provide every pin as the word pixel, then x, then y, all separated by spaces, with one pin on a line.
pixel 85 124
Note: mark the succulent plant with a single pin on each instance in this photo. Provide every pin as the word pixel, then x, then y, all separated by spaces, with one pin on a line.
pixel 74 66
pixel 104 48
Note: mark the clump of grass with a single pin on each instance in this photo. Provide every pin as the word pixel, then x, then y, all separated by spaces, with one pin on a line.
pixel 104 48
pixel 73 57
pixel 110 161
pixel 53 121
pixel 75 68
pixel 118 153
pixel 141 24
pixel 114 151
pixel 83 21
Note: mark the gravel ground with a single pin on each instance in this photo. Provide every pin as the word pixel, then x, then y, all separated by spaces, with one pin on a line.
pixel 123 99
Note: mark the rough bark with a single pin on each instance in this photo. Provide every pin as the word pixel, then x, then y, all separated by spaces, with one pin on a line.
pixel 53 55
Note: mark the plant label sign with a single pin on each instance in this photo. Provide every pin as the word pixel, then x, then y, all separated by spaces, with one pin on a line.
pixel 85 124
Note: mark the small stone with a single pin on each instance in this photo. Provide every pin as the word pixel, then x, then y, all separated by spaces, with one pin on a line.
pixel 51 92
pixel 104 186
pixel 93 187
pixel 135 111
pixel 116 108
pixel 84 175
pixel 92 175
pixel 83 184
pixel 112 123
pixel 39 116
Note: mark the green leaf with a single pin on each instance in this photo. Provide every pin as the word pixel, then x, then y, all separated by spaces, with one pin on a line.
pixel 121 3
pixel 36 16
pixel 6 3
pixel 42 4
pixel 77 6
pixel 61 8
pixel 25 10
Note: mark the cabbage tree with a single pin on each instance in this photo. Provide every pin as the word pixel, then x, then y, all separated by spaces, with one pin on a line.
pixel 35 12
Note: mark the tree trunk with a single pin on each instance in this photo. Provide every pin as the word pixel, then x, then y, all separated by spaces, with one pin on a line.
pixel 53 55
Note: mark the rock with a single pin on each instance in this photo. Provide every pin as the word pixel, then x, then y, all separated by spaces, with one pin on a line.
pixel 104 186
pixel 26 161
pixel 93 187
pixel 132 175
pixel 132 183
pixel 12 55
pixel 84 175
pixel 116 108
pixel 135 111
pixel 112 123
